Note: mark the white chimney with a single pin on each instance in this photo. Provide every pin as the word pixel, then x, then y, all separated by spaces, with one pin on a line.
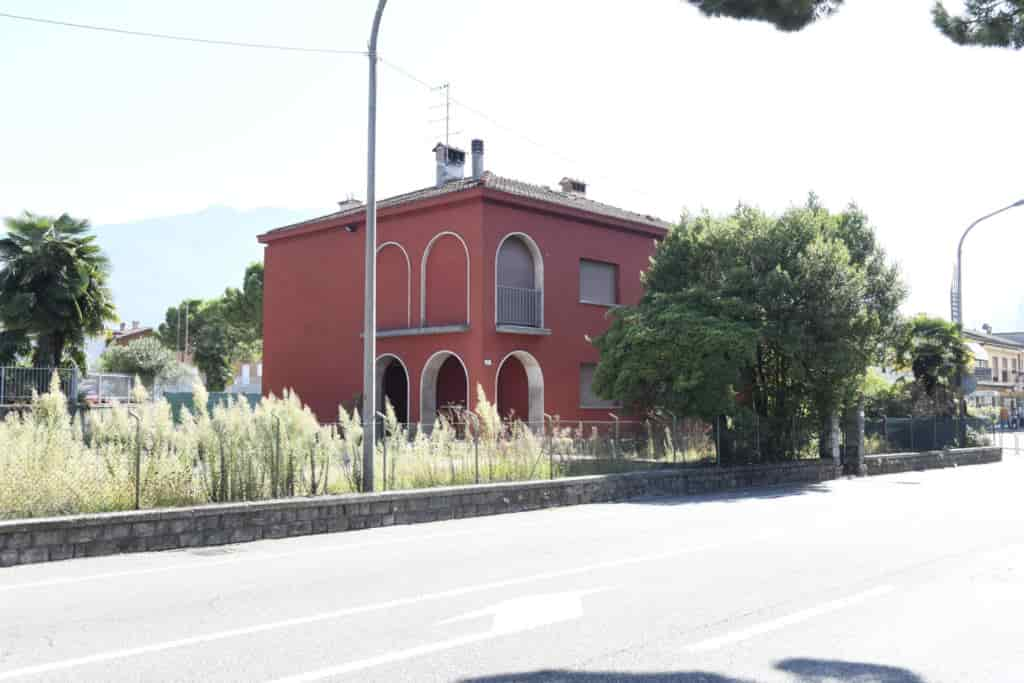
pixel 573 186
pixel 477 149
pixel 450 163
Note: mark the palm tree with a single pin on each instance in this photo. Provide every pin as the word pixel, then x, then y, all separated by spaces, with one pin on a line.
pixel 53 286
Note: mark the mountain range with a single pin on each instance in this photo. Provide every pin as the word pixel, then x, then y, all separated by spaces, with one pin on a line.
pixel 158 262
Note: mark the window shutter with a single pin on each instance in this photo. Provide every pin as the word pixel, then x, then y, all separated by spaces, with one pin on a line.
pixel 588 399
pixel 599 282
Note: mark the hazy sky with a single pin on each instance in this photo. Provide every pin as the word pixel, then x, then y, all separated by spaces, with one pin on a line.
pixel 658 108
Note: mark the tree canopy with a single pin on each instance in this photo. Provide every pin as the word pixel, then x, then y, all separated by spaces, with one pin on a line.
pixel 53 289
pixel 935 352
pixel 778 317
pixel 221 331
pixel 785 15
pixel 145 358
pixel 997 23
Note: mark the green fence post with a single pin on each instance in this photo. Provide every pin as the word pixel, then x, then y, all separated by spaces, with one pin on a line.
pixel 138 458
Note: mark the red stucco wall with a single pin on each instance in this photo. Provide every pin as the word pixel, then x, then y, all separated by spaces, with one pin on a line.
pixel 393 310
pixel 313 299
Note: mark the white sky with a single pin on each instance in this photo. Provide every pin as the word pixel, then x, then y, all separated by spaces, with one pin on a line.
pixel 653 105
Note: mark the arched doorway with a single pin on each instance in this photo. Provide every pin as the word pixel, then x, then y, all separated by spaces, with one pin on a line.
pixel 393 385
pixel 520 388
pixel 519 282
pixel 444 386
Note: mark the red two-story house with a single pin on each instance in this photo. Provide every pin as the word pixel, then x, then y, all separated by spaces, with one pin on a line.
pixel 482 280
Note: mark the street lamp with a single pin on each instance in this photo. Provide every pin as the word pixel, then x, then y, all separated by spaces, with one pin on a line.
pixel 958 295
pixel 957 304
pixel 370 298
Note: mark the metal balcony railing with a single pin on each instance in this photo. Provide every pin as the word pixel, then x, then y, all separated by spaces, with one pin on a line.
pixel 522 307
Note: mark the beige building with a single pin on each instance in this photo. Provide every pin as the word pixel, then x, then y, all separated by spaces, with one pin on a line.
pixel 998 369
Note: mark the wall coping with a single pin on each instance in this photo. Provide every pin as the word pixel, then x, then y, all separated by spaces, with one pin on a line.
pixel 930 454
pixel 299 502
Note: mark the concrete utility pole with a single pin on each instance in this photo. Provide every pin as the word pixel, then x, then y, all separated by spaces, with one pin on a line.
pixel 957 314
pixel 370 303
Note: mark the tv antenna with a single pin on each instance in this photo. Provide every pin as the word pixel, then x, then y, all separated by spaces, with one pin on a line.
pixel 445 105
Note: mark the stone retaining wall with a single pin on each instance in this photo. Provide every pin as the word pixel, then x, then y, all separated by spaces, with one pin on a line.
pixel 930 460
pixel 60 538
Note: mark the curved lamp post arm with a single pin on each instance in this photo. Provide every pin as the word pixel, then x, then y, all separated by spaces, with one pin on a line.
pixel 959 256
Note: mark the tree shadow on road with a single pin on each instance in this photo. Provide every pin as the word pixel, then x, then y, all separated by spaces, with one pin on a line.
pixel 814 670
pixel 802 669
pixel 768 492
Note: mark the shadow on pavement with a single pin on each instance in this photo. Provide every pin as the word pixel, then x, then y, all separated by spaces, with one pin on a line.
pixel 765 493
pixel 560 676
pixel 857 672
pixel 806 670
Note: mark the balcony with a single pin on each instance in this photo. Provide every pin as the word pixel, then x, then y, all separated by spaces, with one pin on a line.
pixel 520 308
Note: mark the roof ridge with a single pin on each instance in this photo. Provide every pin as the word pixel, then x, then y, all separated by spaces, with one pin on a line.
pixel 490 180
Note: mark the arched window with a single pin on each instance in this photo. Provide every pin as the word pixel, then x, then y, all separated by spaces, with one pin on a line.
pixel 515 264
pixel 519 283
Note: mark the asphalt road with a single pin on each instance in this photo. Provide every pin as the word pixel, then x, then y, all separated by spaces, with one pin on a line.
pixel 902 578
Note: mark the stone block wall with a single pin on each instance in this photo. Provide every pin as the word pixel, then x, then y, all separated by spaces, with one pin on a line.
pixel 60 538
pixel 931 460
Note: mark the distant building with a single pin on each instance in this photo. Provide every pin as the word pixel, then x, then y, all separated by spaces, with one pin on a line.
pixel 125 336
pixel 248 378
pixel 998 366
pixel 482 281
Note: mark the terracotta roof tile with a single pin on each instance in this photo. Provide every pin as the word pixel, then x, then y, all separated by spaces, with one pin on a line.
pixel 498 184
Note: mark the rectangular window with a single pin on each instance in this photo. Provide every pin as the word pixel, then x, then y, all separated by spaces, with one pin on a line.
pixel 259 369
pixel 599 283
pixel 245 373
pixel 588 399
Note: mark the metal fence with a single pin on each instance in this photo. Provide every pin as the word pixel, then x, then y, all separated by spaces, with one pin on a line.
pixel 921 433
pixel 518 306
pixel 179 400
pixel 18 384
pixel 107 388
pixel 528 450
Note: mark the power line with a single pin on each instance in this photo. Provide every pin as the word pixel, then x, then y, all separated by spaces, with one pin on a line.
pixel 187 39
pixel 317 50
pixel 526 138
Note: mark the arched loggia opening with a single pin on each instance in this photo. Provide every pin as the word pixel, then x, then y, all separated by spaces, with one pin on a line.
pixel 520 388
pixel 444 386
pixel 393 385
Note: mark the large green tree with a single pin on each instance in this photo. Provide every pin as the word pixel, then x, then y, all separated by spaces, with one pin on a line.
pixel 53 288
pixel 221 331
pixel 998 23
pixel 244 307
pixel 786 15
pixel 145 358
pixel 935 352
pixel 770 318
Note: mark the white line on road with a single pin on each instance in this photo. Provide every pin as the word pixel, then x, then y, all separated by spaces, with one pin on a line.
pixel 203 564
pixel 390 658
pixel 511 616
pixel 254 555
pixel 789 620
pixel 350 611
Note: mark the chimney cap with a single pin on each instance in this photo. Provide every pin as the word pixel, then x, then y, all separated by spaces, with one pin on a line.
pixel 573 186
